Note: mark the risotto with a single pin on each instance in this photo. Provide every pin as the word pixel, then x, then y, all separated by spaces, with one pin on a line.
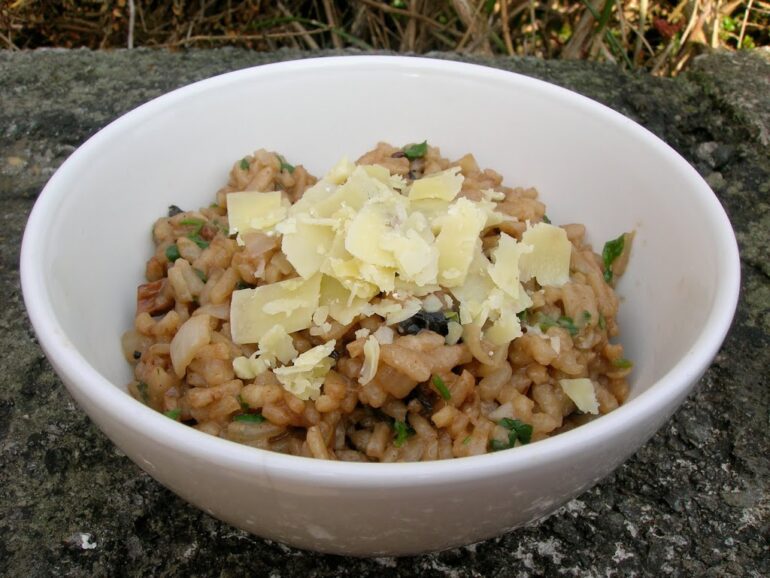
pixel 404 307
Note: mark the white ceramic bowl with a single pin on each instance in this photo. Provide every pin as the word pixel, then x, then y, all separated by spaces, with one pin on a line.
pixel 88 238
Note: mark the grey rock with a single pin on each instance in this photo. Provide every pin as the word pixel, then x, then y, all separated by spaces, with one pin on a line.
pixel 693 501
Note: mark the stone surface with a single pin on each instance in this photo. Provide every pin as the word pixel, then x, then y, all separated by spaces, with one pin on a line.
pixel 693 501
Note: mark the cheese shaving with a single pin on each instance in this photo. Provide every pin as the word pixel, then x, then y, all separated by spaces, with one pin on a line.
pixel 582 392
pixel 371 360
pixel 305 376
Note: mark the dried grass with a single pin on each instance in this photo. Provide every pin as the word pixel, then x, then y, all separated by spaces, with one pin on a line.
pixel 656 35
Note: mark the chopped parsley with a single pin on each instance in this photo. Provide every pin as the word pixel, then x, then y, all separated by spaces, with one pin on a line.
pixel 416 151
pixel 612 250
pixel 467 440
pixel 403 431
pixel 545 322
pixel 244 164
pixel 517 431
pixel 546 220
pixel 285 166
pixel 244 405
pixel 142 388
pixel 602 322
pixel 452 315
pixel 198 240
pixel 201 275
pixel 197 224
pixel 586 316
pixel 522 315
pixel 250 418
pixel 172 253
pixel 622 363
pixel 173 413
pixel 441 387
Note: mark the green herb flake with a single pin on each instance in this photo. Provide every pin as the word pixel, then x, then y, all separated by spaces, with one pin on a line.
pixel 402 432
pixel 546 220
pixel 452 315
pixel 172 253
pixel 545 323
pixel 244 164
pixel 467 440
pixel 244 405
pixel 201 275
pixel 143 393
pixel 602 322
pixel 612 250
pixel 416 151
pixel 523 315
pixel 441 387
pixel 198 240
pixel 568 324
pixel 518 430
pixel 586 316
pixel 285 166
pixel 250 418
pixel 241 285
pixel 173 413
pixel 197 224
pixel 622 363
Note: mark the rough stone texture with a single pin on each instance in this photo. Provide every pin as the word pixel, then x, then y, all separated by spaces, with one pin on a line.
pixel 693 501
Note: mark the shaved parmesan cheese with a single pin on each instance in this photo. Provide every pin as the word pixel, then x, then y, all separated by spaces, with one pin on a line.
pixel 548 261
pixel 457 241
pixel 361 233
pixel 252 210
pixel 342 304
pixel 404 312
pixel 454 333
pixel 505 271
pixel 582 392
pixel 252 366
pixel 444 185
pixel 305 377
pixel 371 360
pixel 306 247
pixel 243 368
pixel 366 229
pixel 277 344
pixel 505 329
pixel 340 172
pixel 290 304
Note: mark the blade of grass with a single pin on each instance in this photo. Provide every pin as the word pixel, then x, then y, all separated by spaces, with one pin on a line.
pixel 330 17
pixel 602 20
pixel 743 24
pixel 311 43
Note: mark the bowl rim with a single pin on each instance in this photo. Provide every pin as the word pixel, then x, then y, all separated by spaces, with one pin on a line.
pixel 116 404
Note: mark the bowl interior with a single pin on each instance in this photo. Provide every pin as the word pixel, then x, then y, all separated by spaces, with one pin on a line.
pixel 590 165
